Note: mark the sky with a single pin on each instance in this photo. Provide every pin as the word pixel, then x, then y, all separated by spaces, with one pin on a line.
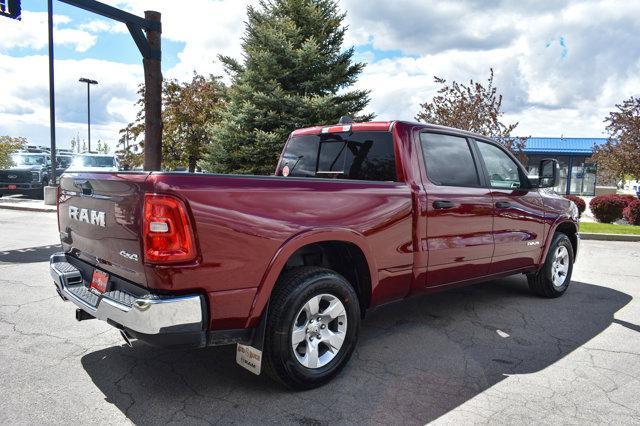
pixel 561 66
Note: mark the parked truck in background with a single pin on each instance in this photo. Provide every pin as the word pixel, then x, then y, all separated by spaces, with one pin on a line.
pixel 29 175
pixel 286 266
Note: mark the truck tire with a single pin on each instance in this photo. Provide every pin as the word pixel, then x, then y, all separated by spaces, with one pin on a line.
pixel 553 279
pixel 312 327
pixel 39 193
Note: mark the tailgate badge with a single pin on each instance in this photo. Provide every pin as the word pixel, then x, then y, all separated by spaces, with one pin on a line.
pixel 130 256
pixel 92 217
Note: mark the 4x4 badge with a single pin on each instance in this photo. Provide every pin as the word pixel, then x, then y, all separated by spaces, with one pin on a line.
pixel 130 256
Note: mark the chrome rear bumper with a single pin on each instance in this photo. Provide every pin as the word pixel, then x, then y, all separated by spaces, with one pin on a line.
pixel 148 315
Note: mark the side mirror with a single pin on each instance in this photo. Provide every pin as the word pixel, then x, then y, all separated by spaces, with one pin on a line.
pixel 548 173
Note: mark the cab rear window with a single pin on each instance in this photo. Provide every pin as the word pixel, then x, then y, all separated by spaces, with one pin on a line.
pixel 358 156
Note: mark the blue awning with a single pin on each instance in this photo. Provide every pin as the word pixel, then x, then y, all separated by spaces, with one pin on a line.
pixel 562 146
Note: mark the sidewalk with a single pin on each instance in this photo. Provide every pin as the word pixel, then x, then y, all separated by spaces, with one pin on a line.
pixel 13 203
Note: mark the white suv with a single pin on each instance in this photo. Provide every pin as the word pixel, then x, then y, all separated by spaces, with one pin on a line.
pixel 94 163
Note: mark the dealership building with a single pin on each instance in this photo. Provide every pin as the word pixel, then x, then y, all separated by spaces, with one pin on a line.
pixel 577 172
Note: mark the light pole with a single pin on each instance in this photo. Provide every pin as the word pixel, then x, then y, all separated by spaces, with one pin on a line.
pixel 89 83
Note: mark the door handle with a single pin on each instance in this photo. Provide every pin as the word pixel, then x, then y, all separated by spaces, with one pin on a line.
pixel 503 204
pixel 441 204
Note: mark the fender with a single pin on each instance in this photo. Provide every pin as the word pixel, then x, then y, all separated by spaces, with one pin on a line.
pixel 289 247
pixel 552 230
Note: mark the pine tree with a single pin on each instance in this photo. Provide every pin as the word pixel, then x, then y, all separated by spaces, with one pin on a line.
pixel 74 143
pixel 295 74
pixel 103 147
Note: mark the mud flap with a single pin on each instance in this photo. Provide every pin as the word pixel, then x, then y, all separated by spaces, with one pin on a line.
pixel 250 356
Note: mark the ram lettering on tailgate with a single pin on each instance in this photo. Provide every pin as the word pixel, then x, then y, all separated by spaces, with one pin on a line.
pixel 92 217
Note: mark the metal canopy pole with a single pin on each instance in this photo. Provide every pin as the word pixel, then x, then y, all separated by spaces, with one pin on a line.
pixel 150 48
pixel 52 101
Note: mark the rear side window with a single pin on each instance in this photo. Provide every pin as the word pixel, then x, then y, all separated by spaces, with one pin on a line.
pixel 358 156
pixel 448 160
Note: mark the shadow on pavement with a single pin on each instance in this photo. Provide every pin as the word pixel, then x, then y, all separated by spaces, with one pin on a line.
pixel 416 360
pixel 29 255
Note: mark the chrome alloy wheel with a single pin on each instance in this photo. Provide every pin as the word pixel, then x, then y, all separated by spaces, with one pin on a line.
pixel 560 266
pixel 319 330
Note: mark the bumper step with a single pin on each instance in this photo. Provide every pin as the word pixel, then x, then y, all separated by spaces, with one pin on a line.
pixel 147 314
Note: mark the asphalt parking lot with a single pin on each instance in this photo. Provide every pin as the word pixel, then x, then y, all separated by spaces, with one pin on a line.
pixel 491 353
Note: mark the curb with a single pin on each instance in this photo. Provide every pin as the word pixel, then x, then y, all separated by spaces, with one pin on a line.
pixel 27 208
pixel 609 237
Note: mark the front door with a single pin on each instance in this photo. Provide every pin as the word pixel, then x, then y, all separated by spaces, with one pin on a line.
pixel 518 212
pixel 459 211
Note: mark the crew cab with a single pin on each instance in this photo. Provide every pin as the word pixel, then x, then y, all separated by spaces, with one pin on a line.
pixel 286 266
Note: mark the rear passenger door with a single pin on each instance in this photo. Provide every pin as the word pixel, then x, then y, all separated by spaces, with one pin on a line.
pixel 518 212
pixel 459 210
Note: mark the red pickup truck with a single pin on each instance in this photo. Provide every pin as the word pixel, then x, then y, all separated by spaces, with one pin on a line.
pixel 285 266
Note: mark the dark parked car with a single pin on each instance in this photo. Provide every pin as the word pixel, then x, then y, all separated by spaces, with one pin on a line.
pixel 358 215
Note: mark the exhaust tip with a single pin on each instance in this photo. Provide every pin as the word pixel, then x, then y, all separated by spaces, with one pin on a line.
pixel 125 336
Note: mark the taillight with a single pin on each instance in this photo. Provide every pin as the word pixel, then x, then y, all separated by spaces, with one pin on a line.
pixel 167 233
pixel 58 204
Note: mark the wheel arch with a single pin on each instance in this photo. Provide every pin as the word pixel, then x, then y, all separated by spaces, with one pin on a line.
pixel 337 238
pixel 567 227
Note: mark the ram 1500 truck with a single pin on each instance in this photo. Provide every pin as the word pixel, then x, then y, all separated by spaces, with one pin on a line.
pixel 285 266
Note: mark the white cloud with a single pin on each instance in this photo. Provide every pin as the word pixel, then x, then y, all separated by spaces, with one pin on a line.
pixel 25 101
pixel 31 33
pixel 563 67
pixel 207 27
pixel 103 25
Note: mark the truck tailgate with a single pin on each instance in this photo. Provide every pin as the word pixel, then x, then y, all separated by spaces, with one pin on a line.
pixel 99 221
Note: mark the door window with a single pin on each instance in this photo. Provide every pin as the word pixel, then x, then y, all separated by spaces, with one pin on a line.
pixel 503 171
pixel 448 160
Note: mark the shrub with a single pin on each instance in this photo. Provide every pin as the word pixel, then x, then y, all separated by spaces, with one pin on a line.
pixel 579 202
pixel 628 198
pixel 607 208
pixel 631 213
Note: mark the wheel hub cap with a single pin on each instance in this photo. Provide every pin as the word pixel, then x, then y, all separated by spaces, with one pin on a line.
pixel 319 330
pixel 560 266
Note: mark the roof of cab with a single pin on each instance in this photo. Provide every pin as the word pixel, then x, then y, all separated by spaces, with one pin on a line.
pixel 381 126
pixel 370 126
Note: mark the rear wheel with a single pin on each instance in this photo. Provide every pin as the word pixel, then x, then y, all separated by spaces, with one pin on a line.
pixel 555 276
pixel 312 328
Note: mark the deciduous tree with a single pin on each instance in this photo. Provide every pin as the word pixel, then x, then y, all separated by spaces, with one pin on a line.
pixel 9 145
pixel 189 108
pixel 474 107
pixel 295 73
pixel 619 157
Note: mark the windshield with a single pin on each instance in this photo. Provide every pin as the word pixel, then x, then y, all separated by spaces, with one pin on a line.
pixel 64 160
pixel 93 161
pixel 28 160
